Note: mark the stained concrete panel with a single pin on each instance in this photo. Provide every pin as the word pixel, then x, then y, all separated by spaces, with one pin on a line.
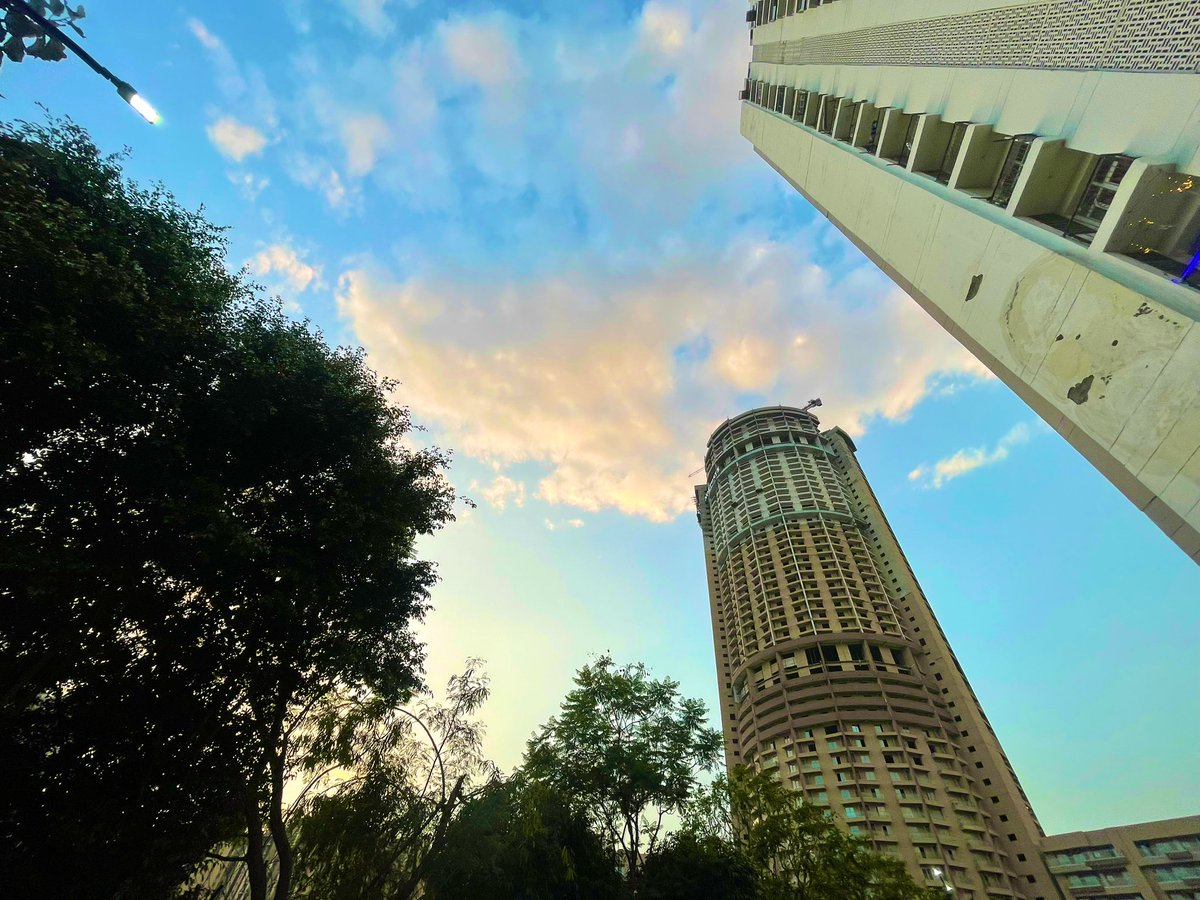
pixel 1120 384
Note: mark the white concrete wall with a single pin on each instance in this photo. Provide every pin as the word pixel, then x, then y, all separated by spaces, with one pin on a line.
pixel 1107 354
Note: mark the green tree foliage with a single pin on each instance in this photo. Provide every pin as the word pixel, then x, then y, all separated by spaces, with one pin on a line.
pixel 690 866
pixel 207 519
pixel 796 849
pixel 21 36
pixel 626 750
pixel 520 840
pixel 385 786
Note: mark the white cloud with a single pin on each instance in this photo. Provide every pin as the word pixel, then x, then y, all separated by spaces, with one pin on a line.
pixel 236 140
pixel 612 381
pixel 245 91
pixel 969 459
pixel 656 117
pixel 502 491
pixel 371 14
pixel 481 52
pixel 287 265
pixel 664 28
pixel 248 184
pixel 363 136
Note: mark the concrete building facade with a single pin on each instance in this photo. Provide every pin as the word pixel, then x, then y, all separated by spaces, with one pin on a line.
pixel 1151 861
pixel 1027 170
pixel 834 673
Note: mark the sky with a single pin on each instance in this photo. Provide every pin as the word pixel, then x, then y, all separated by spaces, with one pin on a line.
pixel 542 221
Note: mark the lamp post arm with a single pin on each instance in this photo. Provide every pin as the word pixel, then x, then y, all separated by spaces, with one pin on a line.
pixel 45 24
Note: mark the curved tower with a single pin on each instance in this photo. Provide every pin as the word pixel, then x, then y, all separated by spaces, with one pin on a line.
pixel 834 672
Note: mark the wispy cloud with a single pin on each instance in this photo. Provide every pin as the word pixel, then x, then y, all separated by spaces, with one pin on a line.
pixel 481 51
pixel 363 136
pixel 248 184
pixel 371 14
pixel 322 177
pixel 502 491
pixel 959 463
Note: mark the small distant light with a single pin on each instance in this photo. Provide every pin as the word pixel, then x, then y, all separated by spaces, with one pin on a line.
pixel 138 102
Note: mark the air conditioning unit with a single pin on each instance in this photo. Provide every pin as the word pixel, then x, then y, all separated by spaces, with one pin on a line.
pixel 744 94
pixel 750 16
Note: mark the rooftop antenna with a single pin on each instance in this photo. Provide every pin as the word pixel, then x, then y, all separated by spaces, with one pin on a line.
pixel 811 404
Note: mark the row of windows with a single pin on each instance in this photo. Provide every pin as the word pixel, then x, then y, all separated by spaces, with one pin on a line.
pixel 798 578
pixel 766 11
pixel 735 433
pixel 1159 228
pixel 1150 848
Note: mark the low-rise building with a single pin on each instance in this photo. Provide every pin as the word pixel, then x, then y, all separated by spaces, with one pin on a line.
pixel 1150 861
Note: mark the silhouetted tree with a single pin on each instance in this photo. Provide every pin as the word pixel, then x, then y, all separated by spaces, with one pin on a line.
pixel 385 786
pixel 207 519
pixel 520 840
pixel 626 750
pixel 688 866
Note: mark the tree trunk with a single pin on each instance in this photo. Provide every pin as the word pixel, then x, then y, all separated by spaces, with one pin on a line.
pixel 256 866
pixel 283 844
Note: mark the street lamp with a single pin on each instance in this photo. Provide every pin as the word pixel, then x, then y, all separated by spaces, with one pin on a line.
pixel 937 873
pixel 124 88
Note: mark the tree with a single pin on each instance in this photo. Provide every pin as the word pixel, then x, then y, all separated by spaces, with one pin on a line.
pixel 626 750
pixel 21 36
pixel 689 866
pixel 398 780
pixel 520 840
pixel 798 851
pixel 207 526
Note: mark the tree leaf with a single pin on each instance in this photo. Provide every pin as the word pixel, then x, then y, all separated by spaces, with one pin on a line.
pixel 52 50
pixel 14 48
pixel 19 26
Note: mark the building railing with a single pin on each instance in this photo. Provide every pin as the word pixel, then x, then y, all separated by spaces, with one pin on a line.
pixel 1145 213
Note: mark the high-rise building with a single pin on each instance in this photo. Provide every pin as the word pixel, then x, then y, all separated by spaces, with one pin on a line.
pixel 1027 170
pixel 834 672
pixel 1150 861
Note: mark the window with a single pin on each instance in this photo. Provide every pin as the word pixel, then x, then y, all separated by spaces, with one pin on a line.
pixel 1010 171
pixel 1181 872
pixel 1097 197
pixel 957 132
pixel 1081 855
pixel 1169 846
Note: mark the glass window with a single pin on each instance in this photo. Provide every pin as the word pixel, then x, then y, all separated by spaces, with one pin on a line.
pixel 1010 171
pixel 1167 846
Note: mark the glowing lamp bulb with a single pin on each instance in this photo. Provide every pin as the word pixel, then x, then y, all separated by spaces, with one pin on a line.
pixel 140 104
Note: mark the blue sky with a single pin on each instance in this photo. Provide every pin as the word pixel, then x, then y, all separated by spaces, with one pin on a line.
pixel 543 222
